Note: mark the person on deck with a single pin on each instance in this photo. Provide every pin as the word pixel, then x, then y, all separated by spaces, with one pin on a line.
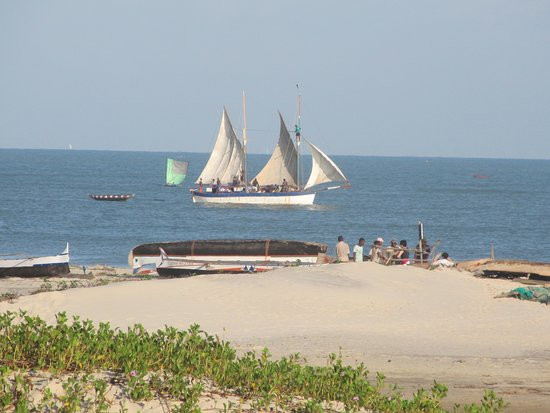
pixel 342 250
pixel 358 250
pixel 200 185
pixel 235 181
pixel 284 186
pixel 256 185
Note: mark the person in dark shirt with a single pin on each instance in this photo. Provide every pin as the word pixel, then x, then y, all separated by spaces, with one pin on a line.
pixel 402 256
pixel 422 250
pixel 255 184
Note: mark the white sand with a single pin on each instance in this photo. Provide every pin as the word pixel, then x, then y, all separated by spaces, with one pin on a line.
pixel 412 324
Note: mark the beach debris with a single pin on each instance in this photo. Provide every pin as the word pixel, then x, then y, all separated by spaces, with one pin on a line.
pixel 531 293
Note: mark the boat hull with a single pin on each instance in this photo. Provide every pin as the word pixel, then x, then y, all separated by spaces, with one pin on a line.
pixel 44 270
pixel 255 198
pixel 230 253
pixel 112 198
pixel 36 267
pixel 182 270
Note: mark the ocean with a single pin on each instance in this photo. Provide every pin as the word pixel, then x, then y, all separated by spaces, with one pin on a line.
pixel 44 203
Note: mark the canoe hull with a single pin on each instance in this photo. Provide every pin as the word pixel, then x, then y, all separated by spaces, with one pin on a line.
pixel 36 266
pixel 112 198
pixel 237 253
pixel 44 270
pixel 174 270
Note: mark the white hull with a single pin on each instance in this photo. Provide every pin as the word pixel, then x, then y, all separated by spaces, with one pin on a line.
pixel 177 266
pixel 275 198
pixel 36 266
pixel 142 261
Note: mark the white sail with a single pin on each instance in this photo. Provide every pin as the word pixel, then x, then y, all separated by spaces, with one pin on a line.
pixel 226 159
pixel 282 164
pixel 323 169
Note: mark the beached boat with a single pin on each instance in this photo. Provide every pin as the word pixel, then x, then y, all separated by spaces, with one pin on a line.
pixel 117 197
pixel 510 269
pixel 176 171
pixel 200 256
pixel 35 266
pixel 224 178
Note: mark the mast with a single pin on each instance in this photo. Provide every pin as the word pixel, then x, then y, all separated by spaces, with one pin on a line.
pixel 298 132
pixel 244 141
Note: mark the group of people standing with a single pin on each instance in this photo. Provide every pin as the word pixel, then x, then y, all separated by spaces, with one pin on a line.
pixel 238 183
pixel 393 254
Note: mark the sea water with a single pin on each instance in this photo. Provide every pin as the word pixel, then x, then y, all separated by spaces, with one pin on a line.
pixel 44 203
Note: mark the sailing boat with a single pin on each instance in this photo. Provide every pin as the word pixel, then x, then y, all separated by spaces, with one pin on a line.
pixel 223 179
pixel 175 172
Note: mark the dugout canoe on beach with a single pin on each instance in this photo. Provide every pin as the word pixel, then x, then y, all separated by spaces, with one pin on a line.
pixel 220 255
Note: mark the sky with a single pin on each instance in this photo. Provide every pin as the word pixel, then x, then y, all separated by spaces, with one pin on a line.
pixel 466 78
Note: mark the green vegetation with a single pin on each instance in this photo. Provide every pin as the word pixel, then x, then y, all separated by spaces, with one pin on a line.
pixel 9 296
pixel 175 365
pixel 53 285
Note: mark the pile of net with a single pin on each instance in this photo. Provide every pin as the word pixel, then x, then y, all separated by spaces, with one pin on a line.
pixel 540 294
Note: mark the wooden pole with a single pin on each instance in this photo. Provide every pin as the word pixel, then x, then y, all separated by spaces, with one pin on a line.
pixel 244 142
pixel 298 131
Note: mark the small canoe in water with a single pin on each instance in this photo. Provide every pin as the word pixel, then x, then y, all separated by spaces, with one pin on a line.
pixel 118 197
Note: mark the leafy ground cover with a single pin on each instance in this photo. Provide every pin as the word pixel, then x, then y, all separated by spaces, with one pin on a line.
pixel 176 367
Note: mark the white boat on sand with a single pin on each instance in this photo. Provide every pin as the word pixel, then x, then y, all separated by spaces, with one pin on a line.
pixel 36 266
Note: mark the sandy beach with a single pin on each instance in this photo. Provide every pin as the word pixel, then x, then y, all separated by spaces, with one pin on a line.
pixel 412 324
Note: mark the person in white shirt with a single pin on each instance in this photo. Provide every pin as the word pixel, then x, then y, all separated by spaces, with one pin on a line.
pixel 443 261
pixel 342 250
pixel 358 251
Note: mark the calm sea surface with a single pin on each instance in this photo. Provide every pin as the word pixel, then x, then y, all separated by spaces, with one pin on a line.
pixel 44 203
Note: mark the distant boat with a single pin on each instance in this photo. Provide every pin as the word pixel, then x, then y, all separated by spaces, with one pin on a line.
pixel 117 197
pixel 224 178
pixel 36 266
pixel 176 171
pixel 480 176
pixel 230 255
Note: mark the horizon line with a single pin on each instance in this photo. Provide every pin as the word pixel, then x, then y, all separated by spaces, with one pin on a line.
pixel 267 154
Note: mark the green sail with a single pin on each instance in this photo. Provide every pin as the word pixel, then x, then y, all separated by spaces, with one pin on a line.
pixel 175 171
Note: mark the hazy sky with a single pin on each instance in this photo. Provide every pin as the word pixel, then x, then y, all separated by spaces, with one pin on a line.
pixel 420 78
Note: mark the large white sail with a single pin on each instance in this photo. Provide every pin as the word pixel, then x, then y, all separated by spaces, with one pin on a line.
pixel 323 169
pixel 226 159
pixel 282 164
